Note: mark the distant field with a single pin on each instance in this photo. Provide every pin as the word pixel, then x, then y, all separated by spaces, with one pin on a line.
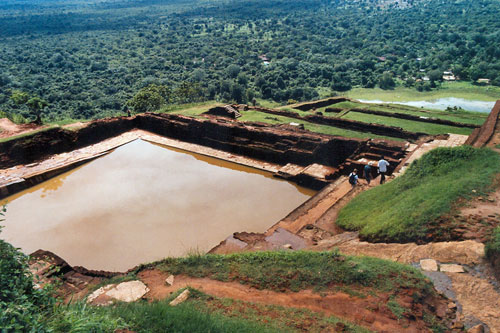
pixel 464 90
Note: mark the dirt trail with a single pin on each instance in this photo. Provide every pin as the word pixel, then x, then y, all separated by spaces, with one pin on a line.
pixel 476 293
pixel 8 128
pixel 366 312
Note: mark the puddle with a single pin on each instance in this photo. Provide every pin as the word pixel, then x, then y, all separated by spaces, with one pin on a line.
pixel 443 103
pixel 142 203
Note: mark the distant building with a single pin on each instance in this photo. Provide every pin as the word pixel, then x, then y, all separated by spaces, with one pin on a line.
pixel 382 58
pixel 426 78
pixel 264 58
pixel 483 81
pixel 448 76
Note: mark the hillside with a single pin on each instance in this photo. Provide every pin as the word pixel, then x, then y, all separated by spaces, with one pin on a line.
pixel 87 59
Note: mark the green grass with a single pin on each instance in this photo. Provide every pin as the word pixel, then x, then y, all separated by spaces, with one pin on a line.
pixel 460 116
pixel 323 129
pixel 201 313
pixel 297 270
pixel 192 109
pixel 402 209
pixel 465 90
pixel 190 316
pixel 492 249
pixel 408 125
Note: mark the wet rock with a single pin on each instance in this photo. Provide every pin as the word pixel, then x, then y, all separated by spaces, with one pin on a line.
pixel 170 280
pixel 429 265
pixel 452 268
pixel 181 298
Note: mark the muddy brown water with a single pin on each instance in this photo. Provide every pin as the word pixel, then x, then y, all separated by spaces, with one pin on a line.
pixel 142 203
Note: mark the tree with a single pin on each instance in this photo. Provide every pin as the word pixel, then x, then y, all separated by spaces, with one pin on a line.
pixel 19 97
pixel 150 98
pixel 435 75
pixel 386 82
pixel 36 106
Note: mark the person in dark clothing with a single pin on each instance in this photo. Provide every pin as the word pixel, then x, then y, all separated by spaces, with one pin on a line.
pixel 367 172
pixel 353 178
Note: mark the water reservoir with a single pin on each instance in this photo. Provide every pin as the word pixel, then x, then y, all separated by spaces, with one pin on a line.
pixel 144 202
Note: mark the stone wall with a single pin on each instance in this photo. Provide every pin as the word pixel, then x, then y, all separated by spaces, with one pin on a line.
pixel 480 136
pixel 319 104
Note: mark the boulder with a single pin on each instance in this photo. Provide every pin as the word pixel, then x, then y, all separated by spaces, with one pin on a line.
pixel 170 280
pixel 452 268
pixel 126 292
pixel 181 298
pixel 429 265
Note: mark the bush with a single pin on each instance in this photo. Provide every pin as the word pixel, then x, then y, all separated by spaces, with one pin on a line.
pixel 21 305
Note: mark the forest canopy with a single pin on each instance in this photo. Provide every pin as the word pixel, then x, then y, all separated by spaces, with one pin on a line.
pixel 88 59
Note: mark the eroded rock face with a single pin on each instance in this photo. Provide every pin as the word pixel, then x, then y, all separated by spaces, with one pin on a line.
pixel 466 252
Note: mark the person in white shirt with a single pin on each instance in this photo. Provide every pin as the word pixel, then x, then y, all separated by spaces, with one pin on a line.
pixel 382 169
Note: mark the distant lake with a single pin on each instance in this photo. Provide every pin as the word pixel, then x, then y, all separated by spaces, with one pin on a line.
pixel 443 103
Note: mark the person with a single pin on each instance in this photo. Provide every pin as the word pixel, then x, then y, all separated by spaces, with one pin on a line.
pixel 368 172
pixel 382 169
pixel 353 177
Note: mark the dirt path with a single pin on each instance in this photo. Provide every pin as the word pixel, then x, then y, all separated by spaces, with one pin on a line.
pixel 8 128
pixel 366 311
pixel 475 291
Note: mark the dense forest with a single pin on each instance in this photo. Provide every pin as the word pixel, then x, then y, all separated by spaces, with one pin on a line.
pixel 87 59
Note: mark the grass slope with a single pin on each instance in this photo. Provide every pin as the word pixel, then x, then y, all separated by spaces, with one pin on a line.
pixel 401 210
pixel 298 270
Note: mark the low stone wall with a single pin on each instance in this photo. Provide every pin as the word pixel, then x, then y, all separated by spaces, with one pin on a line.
pixel 259 141
pixel 319 104
pixel 395 132
pixel 479 137
pixel 31 148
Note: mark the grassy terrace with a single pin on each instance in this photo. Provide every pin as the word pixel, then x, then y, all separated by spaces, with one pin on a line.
pixel 404 209
pixel 298 270
pixel 409 125
pixel 476 118
pixel 324 129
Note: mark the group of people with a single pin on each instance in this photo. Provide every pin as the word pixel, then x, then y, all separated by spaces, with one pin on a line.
pixel 367 172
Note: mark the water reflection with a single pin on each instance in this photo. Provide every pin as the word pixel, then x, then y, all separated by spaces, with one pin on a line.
pixel 142 203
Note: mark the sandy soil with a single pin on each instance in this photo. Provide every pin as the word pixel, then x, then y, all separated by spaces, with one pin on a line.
pixel 8 128
pixel 369 311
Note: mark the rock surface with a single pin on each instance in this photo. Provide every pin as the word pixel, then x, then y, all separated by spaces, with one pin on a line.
pixel 181 298
pixel 452 268
pixel 126 292
pixel 170 280
pixel 429 265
